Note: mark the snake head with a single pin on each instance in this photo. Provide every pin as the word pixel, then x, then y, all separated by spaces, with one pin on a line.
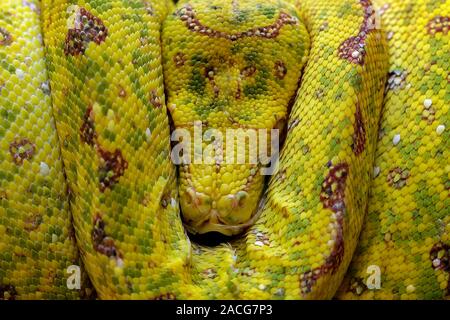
pixel 222 200
pixel 231 70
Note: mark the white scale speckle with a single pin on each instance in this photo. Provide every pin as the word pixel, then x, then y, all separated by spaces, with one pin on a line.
pixel 440 129
pixel 410 288
pixel 28 61
pixel 44 169
pixel 259 243
pixel 45 86
pixel 148 134
pixel 396 139
pixel 279 292
pixel 119 262
pixel 20 74
pixel 262 287
pixel 427 103
pixel 376 171
pixel 436 263
pixel 355 54
pixel 172 107
pixel 54 238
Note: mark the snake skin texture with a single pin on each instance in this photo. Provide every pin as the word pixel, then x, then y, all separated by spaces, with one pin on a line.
pixel 37 242
pixel 89 92
pixel 407 230
pixel 222 73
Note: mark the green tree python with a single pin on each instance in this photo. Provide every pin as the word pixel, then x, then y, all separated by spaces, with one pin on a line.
pixel 91 90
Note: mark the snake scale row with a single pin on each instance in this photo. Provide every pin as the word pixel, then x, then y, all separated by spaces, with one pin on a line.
pixel 90 91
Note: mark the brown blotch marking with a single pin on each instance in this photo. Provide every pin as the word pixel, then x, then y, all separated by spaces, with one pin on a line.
pixel 438 24
pixel 354 48
pixel 309 279
pixel 21 150
pixel 359 135
pixel 165 200
pixel 428 65
pixel 357 286
pixel 429 115
pixel 333 198
pixel 5 37
pixel 248 71
pixel 102 243
pixel 209 273
pixel 440 257
pixel 45 87
pixel 155 100
pixel 8 292
pixel 210 73
pixel 247 272
pixel 319 94
pixel 87 28
pixel 332 263
pixel 397 178
pixel 245 73
pixel 73 44
pixel 3 195
pixel 397 80
pixel 262 237
pixel 149 8
pixel 112 167
pixel 122 92
pixel 440 260
pixel 87 130
pixel 166 296
pixel 179 59
pixel 33 222
pixel 144 41
pixel 280 70
pixel 238 94
pixel 333 188
pixel 188 15
pixel 324 26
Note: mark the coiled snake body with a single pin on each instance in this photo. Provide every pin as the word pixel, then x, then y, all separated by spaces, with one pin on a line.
pixel 87 178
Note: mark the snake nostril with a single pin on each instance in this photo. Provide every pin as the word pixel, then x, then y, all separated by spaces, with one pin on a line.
pixel 241 196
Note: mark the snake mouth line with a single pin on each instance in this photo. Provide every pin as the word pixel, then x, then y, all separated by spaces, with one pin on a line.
pixel 227 232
